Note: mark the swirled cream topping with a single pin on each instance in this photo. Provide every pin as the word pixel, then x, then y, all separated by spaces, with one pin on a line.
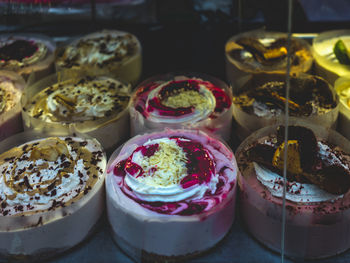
pixel 180 100
pixel 18 52
pixel 200 100
pixel 48 173
pixel 157 170
pixel 9 94
pixel 98 50
pixel 296 192
pixel 82 100
pixel 175 172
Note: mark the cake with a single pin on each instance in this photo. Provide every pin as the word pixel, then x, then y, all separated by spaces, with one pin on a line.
pixel 182 101
pixel 261 101
pixel 342 87
pixel 262 51
pixel 27 54
pixel 331 52
pixel 170 194
pixel 108 52
pixel 96 106
pixel 317 189
pixel 11 88
pixel 51 194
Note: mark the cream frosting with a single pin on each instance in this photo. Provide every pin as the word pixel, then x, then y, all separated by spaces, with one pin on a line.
pixel 296 192
pixel 202 100
pixel 163 184
pixel 82 100
pixel 9 94
pixel 45 173
pixel 99 50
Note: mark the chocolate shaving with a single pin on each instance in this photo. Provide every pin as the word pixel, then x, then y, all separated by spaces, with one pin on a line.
pixel 26 182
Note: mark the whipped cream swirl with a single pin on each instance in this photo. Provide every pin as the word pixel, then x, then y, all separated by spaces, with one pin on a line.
pixel 99 49
pixel 48 173
pixel 163 173
pixel 296 192
pixel 181 99
pixel 175 173
pixel 9 94
pixel 82 100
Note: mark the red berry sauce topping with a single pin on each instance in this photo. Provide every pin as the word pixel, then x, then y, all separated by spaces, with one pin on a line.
pixel 174 87
pixel 18 50
pixel 200 169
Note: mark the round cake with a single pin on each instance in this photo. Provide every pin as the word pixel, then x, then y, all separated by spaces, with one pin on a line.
pixel 11 88
pixel 182 101
pixel 317 189
pixel 262 51
pixel 261 101
pixel 342 87
pixel 51 194
pixel 108 52
pixel 331 52
pixel 170 194
pixel 26 54
pixel 96 106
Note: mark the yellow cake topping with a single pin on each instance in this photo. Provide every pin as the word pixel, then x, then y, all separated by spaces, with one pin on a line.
pixel 293 157
pixel 186 99
pixel 166 167
pixel 275 53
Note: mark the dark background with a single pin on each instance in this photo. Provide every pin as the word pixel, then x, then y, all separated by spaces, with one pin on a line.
pixel 176 35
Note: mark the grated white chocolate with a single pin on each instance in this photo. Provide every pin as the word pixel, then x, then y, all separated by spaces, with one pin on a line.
pixel 166 167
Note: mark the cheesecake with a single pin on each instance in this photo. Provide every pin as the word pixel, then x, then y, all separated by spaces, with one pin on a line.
pixel 262 51
pixel 97 106
pixel 11 89
pixel 170 194
pixel 108 52
pixel 27 54
pixel 331 52
pixel 261 101
pixel 187 101
pixel 317 189
pixel 51 194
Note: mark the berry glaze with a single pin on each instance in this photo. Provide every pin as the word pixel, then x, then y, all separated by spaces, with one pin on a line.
pixel 18 50
pixel 146 104
pixel 204 166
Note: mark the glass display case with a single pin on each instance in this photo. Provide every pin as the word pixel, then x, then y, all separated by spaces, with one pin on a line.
pixel 263 193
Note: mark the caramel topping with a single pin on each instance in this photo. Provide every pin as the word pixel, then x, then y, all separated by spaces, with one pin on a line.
pixel 49 151
pixel 69 103
pixel 275 53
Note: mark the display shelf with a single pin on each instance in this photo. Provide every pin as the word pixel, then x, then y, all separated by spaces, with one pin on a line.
pixel 171 46
pixel 237 246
